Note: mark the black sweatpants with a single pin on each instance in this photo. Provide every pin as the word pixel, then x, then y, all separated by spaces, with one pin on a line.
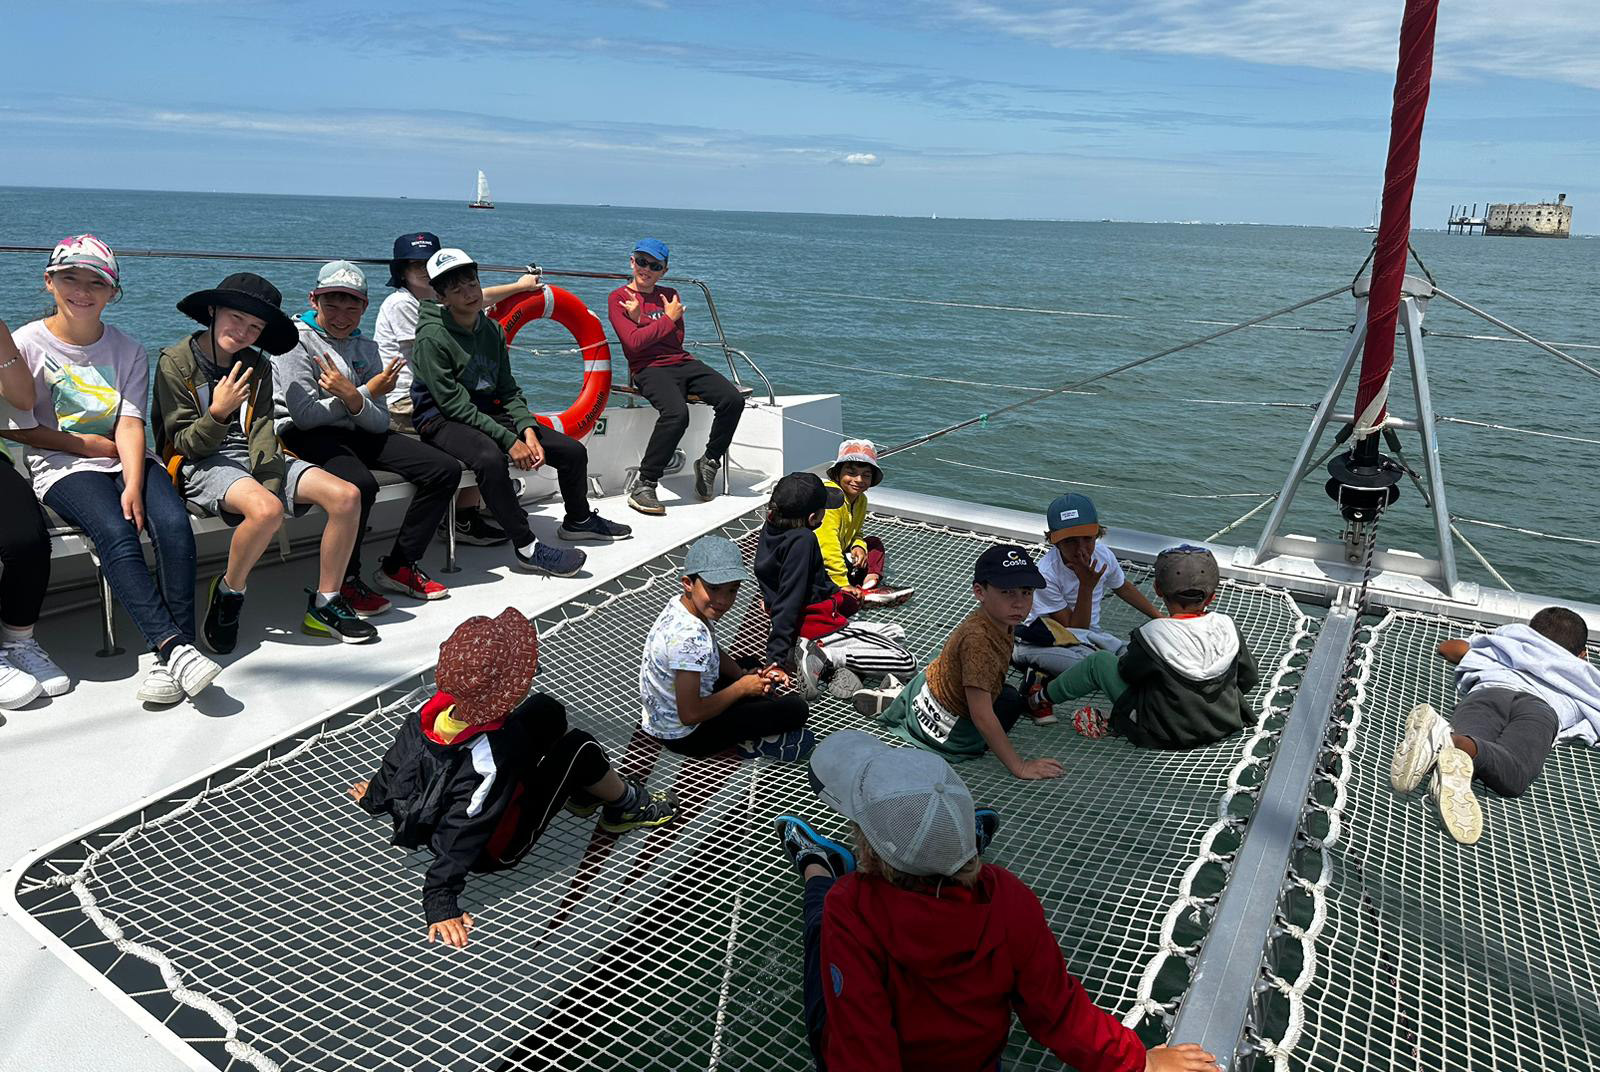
pixel 667 388
pixel 559 763
pixel 488 460
pixel 1514 732
pixel 744 721
pixel 24 549
pixel 352 455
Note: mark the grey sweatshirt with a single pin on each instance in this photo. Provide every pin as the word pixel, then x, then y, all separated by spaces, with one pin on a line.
pixel 299 402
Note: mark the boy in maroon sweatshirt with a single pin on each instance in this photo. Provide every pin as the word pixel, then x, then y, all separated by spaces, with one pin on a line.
pixel 917 952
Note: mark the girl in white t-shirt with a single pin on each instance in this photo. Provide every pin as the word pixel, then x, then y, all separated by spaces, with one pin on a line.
pixel 89 462
pixel 25 670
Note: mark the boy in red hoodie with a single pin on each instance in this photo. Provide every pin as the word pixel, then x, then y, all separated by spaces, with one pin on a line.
pixel 916 951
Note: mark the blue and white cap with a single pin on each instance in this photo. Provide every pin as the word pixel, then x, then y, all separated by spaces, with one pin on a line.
pixel 448 260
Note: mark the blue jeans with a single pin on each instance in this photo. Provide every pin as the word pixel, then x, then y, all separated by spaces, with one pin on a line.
pixel 162 607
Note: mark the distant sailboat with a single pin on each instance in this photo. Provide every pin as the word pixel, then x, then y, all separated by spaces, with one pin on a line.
pixel 483 200
pixel 1371 228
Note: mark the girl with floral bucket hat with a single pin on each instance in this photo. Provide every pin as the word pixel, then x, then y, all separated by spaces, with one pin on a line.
pixel 479 770
pixel 89 463
pixel 854 560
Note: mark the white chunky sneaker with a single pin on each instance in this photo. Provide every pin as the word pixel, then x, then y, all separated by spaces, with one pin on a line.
pixel 26 655
pixel 1451 790
pixel 190 670
pixel 18 688
pixel 158 687
pixel 1426 735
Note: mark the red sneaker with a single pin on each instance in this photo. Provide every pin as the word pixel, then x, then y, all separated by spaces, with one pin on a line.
pixel 363 600
pixel 1039 708
pixel 411 581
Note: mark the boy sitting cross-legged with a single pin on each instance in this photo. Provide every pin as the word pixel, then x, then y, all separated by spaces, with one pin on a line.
pixel 961 706
pixel 696 700
pixel 466 403
pixel 478 773
pixel 917 953
pixel 1523 688
pixel 1182 681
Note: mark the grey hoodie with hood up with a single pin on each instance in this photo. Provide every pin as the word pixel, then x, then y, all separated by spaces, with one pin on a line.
pixel 1187 678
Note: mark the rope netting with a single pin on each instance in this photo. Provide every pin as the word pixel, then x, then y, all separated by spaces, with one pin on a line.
pixel 1399 948
pixel 269 924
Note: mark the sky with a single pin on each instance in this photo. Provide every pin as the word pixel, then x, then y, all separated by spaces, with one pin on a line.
pixel 1266 111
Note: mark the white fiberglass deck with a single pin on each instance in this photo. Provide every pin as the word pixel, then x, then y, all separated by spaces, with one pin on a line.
pixel 67 762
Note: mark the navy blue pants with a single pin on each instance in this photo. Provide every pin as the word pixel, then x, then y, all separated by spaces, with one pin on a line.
pixel 816 1011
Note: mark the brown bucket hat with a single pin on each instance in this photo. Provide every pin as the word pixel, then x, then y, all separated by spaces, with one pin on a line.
pixel 487 665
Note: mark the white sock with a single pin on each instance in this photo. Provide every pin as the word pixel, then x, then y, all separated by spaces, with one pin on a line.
pixel 528 550
pixel 12 634
pixel 324 598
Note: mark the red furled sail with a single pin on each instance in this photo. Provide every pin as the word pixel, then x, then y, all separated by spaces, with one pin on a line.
pixel 1413 76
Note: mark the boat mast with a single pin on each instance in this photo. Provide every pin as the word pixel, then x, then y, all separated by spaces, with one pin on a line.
pixel 1363 480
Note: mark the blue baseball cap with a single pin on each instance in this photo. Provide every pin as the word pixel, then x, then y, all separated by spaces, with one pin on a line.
pixel 653 246
pixel 715 560
pixel 1071 514
pixel 1007 566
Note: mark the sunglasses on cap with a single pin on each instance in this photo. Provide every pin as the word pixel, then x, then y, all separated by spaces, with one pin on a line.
pixel 645 262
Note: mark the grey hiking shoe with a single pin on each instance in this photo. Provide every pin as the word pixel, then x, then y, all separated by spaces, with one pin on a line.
pixel 705 477
pixel 642 497
pixel 556 561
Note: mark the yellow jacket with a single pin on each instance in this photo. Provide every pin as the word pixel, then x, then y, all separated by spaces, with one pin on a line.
pixel 840 531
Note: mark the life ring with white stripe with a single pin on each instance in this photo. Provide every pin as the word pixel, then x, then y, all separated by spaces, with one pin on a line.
pixel 568 310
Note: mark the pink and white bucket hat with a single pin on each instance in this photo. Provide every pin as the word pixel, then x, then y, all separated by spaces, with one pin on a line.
pixel 857 450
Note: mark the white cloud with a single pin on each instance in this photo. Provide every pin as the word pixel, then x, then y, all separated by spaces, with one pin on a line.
pixel 1551 40
pixel 862 159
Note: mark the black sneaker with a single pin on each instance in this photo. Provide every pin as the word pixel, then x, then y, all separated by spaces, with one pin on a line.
pixel 642 497
pixel 705 477
pixel 556 561
pixel 658 807
pixel 335 618
pixel 221 632
pixel 804 846
pixel 593 527
pixel 474 527
pixel 986 821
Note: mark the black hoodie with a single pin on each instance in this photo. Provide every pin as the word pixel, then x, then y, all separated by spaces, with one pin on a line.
pixel 792 576
pixel 1186 682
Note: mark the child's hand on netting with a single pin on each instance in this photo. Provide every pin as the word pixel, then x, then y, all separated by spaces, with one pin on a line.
pixel 1186 1058
pixel 453 931
pixel 1033 770
pixel 358 792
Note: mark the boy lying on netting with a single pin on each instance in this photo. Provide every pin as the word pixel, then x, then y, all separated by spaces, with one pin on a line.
pixel 1523 688
pixel 1181 681
pixel 916 951
pixel 478 772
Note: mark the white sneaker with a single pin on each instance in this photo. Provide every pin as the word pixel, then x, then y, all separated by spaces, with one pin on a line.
pixel 158 687
pixel 872 702
pixel 18 688
pixel 1426 735
pixel 190 670
pixel 1451 790
pixel 28 656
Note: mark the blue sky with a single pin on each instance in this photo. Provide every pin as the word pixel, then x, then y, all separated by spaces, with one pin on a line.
pixel 1229 110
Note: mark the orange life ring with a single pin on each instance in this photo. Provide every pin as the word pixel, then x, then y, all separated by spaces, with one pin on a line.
pixel 568 310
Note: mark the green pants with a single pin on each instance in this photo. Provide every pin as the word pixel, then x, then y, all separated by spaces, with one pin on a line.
pixel 1097 673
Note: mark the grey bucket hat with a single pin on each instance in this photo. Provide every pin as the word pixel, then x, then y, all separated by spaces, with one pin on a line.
pixel 912 806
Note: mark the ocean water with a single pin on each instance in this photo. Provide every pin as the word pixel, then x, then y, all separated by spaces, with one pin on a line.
pixel 886 311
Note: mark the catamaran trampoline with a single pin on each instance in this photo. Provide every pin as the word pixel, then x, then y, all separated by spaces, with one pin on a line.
pixel 267 923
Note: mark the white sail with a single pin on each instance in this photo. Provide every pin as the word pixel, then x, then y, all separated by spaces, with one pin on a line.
pixel 483 189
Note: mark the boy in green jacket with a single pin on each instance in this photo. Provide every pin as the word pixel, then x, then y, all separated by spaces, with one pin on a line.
pixel 465 402
pixel 213 418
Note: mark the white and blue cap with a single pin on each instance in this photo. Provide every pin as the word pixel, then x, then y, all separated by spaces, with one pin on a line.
pixel 448 260
pixel 341 277
pixel 715 560
pixel 912 806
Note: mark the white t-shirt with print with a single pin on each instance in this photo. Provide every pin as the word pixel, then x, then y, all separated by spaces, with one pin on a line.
pixel 677 641
pixel 1061 584
pixel 116 360
pixel 394 332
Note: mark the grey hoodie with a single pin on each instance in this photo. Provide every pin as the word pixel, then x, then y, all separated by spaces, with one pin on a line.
pixel 299 402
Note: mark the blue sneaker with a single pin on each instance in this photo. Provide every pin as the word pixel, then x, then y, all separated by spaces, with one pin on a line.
pixel 788 747
pixel 804 846
pixel 987 821
pixel 593 527
pixel 556 561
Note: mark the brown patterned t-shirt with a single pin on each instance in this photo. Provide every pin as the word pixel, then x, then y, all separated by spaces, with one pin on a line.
pixel 976 655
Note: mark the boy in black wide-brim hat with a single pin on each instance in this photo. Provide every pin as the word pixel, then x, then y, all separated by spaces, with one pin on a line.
pixel 213 418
